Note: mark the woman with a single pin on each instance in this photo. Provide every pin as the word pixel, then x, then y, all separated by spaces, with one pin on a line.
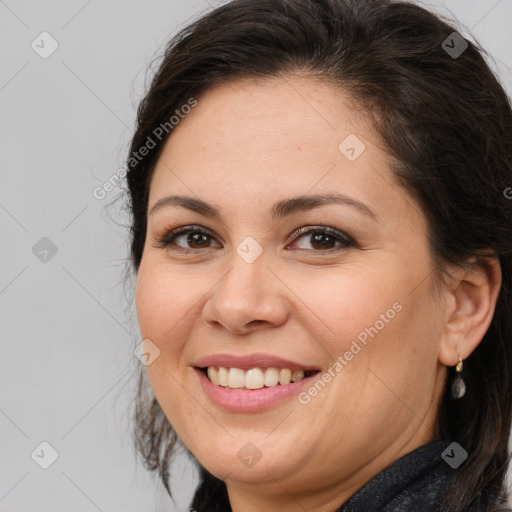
pixel 322 239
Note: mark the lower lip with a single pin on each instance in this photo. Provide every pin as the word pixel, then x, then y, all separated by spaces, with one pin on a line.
pixel 250 400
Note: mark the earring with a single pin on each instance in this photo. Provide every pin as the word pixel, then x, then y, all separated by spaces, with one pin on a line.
pixel 458 385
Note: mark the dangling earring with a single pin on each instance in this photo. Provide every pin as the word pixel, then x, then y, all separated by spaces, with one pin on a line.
pixel 458 385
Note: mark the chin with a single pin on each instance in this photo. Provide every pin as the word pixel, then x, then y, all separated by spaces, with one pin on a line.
pixel 246 461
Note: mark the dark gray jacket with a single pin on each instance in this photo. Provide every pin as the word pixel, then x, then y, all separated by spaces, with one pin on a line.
pixel 414 483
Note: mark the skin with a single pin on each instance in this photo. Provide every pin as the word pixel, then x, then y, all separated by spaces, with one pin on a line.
pixel 245 146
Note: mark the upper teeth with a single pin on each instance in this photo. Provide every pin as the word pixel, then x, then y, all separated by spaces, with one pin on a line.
pixel 255 378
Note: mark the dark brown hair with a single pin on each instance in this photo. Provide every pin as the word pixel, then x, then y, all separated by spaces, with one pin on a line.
pixel 447 123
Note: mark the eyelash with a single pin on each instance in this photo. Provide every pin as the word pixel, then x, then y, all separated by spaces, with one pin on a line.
pixel 167 240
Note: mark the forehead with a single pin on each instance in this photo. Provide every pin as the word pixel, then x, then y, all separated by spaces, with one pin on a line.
pixel 258 139
pixel 276 113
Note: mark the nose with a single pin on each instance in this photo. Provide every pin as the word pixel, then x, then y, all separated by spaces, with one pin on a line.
pixel 248 297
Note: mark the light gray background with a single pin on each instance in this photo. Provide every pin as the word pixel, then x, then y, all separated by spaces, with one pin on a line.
pixel 67 326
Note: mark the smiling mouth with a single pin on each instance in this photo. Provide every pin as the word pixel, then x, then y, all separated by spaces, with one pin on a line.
pixel 254 378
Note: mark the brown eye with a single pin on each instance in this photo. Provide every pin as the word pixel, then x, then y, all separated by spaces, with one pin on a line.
pixel 322 241
pixel 319 239
pixel 197 240
pixel 193 237
pixel 324 238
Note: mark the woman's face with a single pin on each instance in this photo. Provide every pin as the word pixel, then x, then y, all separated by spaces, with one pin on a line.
pixel 354 306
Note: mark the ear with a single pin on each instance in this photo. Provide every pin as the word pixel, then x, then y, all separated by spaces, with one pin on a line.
pixel 471 296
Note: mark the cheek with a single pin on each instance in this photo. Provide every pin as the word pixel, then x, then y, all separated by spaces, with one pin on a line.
pixel 375 322
pixel 161 302
pixel 386 343
pixel 338 305
pixel 165 309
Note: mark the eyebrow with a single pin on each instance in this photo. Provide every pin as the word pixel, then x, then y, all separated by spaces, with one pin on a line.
pixel 279 210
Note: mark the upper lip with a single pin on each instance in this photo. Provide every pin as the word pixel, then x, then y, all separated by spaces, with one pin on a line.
pixel 251 361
